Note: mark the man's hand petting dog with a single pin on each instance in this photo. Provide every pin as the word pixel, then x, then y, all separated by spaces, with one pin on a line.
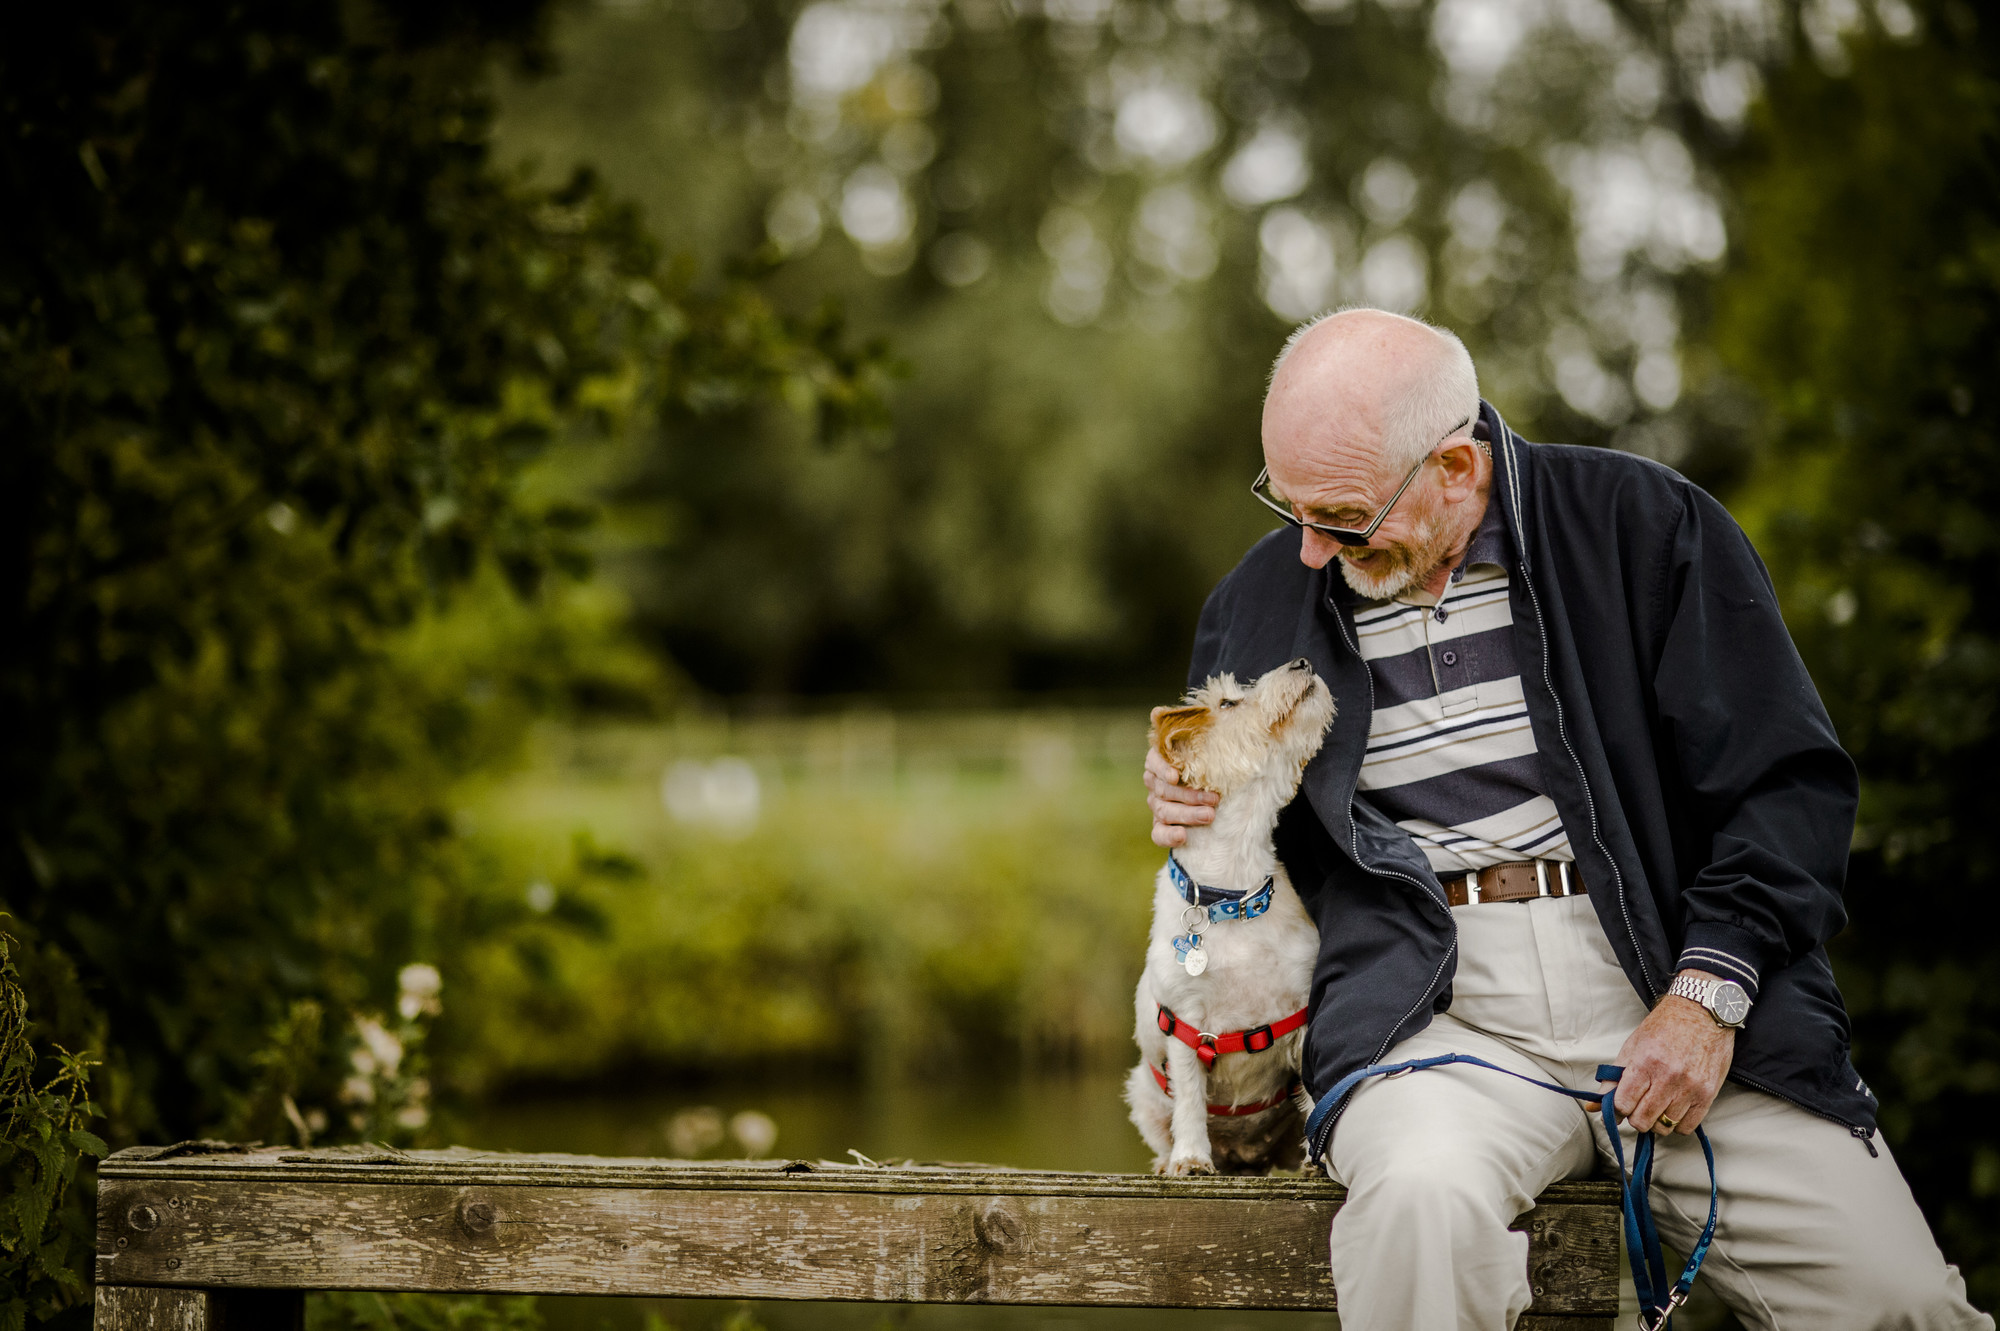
pixel 1674 1065
pixel 1175 806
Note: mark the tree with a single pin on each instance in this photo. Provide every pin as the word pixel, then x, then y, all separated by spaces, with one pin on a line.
pixel 277 341
pixel 1088 225
pixel 1863 308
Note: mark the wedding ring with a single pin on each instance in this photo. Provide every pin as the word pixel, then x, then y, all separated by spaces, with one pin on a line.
pixel 1664 1122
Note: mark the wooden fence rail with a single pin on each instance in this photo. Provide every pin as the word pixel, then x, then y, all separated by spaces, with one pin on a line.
pixel 210 1237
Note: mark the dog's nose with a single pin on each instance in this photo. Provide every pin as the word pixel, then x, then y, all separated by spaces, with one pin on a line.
pixel 1301 664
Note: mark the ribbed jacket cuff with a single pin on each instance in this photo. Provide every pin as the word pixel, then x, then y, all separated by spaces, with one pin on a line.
pixel 1725 950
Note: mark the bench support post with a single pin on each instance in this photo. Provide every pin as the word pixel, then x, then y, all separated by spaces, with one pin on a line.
pixel 148 1308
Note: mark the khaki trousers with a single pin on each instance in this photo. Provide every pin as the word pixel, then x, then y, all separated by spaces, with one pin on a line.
pixel 1815 1233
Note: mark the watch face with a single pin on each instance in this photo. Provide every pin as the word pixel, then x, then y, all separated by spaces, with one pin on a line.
pixel 1730 1004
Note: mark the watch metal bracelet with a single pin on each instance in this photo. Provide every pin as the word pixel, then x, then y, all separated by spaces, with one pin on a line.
pixel 1724 1000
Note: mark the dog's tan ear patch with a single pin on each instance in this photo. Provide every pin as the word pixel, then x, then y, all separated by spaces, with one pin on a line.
pixel 1174 731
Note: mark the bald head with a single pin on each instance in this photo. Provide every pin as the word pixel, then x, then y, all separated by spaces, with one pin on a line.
pixel 1362 402
pixel 1369 382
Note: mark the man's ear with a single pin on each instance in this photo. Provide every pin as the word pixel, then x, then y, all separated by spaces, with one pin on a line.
pixel 1461 467
pixel 1174 731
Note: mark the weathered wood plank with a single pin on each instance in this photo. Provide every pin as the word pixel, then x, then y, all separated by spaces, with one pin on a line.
pixel 127 1309
pixel 459 1166
pixel 135 1308
pixel 1018 1239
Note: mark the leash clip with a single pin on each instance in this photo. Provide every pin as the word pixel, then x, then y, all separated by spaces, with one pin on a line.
pixel 1675 1298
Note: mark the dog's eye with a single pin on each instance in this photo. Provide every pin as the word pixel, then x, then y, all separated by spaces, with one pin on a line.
pixel 1228 702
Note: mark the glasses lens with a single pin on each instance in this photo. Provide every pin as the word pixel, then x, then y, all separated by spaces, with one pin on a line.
pixel 1271 500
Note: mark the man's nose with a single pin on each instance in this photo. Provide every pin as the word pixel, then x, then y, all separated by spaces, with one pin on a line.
pixel 1315 550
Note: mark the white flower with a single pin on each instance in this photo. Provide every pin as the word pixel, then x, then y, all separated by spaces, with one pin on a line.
pixel 418 986
pixel 756 1133
pixel 386 1049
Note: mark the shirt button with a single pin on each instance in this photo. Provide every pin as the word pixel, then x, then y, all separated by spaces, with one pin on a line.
pixel 1441 612
pixel 1451 658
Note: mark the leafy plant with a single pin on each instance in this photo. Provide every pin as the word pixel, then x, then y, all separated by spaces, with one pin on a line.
pixel 44 1241
pixel 420 1312
pixel 279 347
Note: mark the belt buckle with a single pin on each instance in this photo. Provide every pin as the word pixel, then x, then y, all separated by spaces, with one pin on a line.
pixel 1472 888
pixel 1541 878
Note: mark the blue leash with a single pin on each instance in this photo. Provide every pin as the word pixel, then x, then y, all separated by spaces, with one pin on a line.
pixel 1657 1300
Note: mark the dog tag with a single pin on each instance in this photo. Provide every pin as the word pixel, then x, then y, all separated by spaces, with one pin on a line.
pixel 1196 960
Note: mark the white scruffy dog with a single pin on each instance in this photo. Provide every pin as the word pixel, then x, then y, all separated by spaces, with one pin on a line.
pixel 1215 982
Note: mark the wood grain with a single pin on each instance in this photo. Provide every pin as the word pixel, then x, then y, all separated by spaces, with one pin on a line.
pixel 463 1222
pixel 134 1308
pixel 120 1309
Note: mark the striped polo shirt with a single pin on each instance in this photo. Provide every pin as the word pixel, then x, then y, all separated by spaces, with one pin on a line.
pixel 1451 758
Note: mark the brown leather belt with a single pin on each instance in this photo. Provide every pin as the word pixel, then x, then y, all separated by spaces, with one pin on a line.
pixel 1523 880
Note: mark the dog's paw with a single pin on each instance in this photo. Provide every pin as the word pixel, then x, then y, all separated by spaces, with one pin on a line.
pixel 1186 1166
pixel 1312 1169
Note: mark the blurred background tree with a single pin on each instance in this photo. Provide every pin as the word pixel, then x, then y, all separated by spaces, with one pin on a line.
pixel 1088 225
pixel 1861 307
pixel 279 342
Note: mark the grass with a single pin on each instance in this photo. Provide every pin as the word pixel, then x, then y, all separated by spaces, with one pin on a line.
pixel 887 893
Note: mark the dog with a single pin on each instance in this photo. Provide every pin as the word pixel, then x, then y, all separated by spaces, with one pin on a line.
pixel 1221 1003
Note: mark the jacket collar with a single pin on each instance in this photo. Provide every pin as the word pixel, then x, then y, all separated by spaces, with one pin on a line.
pixel 1510 488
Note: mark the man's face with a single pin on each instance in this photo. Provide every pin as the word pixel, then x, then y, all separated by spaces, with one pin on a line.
pixel 1346 487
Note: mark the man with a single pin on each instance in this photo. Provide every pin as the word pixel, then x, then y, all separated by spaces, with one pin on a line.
pixel 1582 805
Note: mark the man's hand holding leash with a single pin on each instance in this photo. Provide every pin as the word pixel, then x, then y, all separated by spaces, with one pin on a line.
pixel 1674 1066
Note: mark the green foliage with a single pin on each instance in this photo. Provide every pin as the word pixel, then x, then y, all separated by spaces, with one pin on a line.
pixel 44 1237
pixel 278 345
pixel 1089 304
pixel 1864 308
pixel 420 1312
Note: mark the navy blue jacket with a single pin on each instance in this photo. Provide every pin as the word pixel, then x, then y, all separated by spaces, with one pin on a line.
pixel 1706 797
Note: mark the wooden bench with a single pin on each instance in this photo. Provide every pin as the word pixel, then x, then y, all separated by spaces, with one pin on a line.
pixel 210 1237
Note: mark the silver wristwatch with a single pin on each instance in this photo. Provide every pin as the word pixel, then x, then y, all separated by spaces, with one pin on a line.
pixel 1725 999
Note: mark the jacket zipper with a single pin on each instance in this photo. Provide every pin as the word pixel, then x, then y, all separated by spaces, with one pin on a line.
pixel 1864 1135
pixel 1562 727
pixel 1316 1150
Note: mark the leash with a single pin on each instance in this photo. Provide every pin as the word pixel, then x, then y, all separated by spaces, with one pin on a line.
pixel 1657 1299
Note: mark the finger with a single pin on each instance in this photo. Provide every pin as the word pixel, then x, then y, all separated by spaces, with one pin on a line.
pixel 1164 781
pixel 1181 815
pixel 1629 1091
pixel 1167 836
pixel 1645 1116
pixel 1697 1111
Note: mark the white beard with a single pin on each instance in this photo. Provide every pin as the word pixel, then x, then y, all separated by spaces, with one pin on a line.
pixel 1415 561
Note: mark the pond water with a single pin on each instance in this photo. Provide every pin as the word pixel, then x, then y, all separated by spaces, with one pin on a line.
pixel 1067 1122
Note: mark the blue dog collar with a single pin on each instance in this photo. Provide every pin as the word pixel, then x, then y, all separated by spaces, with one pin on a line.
pixel 1221 903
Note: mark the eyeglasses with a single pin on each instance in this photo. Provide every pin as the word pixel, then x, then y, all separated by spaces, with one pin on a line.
pixel 1261 487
